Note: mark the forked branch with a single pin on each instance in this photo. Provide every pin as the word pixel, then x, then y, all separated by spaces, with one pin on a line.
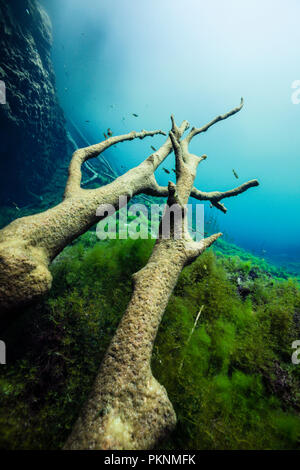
pixel 82 155
pixel 216 196
pixel 136 411
pixel 198 130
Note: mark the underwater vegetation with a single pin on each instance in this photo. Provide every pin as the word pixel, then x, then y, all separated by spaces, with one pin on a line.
pixel 224 346
pixel 128 408
pixel 232 384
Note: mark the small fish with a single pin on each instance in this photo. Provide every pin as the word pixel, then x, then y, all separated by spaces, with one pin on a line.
pixel 27 11
pixel 105 136
pixel 166 171
pixel 87 121
pixel 135 115
pixel 210 205
pixel 235 173
pixel 174 171
pixel 153 148
pixel 109 132
pixel 14 204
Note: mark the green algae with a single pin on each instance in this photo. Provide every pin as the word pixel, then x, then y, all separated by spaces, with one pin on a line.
pixel 237 387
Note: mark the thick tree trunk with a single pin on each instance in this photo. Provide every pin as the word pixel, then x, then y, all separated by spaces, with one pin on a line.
pixel 128 408
pixel 29 244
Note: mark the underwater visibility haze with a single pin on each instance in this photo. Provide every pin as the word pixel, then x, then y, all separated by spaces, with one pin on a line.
pixel 205 356
pixel 195 60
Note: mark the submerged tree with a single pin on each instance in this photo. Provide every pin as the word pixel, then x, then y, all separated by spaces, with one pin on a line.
pixel 128 408
pixel 29 244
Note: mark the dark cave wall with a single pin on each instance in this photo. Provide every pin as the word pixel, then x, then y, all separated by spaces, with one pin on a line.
pixel 34 143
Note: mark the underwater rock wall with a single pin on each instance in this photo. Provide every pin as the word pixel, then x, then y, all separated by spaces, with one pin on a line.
pixel 34 143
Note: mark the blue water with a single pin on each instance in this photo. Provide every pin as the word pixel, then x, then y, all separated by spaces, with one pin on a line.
pixel 195 59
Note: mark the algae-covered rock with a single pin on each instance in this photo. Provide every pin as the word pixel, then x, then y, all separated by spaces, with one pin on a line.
pixel 34 142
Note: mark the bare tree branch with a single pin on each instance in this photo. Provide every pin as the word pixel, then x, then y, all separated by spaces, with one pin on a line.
pixel 127 407
pixel 195 131
pixel 88 144
pixel 216 196
pixel 125 387
pixel 159 155
pixel 82 155
pixel 177 151
pixel 195 249
pixel 29 244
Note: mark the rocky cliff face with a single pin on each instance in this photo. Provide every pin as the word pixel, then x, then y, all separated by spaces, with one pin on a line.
pixel 33 141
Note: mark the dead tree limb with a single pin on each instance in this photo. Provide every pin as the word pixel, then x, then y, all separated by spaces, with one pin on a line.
pixel 128 408
pixel 88 144
pixel 29 244
pixel 198 130
pixel 216 196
